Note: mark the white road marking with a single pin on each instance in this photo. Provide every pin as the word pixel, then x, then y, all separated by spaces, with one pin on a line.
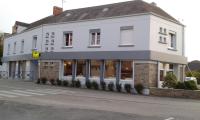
pixel 6 95
pixel 171 118
pixel 13 93
pixel 26 92
pixel 31 92
pixel 47 92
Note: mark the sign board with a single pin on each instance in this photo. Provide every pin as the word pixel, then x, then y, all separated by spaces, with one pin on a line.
pixel 35 54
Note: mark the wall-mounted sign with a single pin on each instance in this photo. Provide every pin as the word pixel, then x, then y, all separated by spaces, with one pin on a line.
pixel 35 54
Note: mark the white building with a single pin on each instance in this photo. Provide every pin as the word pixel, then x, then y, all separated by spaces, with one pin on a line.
pixel 132 41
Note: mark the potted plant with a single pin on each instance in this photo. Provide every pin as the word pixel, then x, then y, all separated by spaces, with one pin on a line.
pixel 44 80
pixel 111 86
pixel 128 88
pixel 59 82
pixel 77 84
pixel 119 87
pixel 52 81
pixel 65 83
pixel 88 84
pixel 95 85
pixel 103 85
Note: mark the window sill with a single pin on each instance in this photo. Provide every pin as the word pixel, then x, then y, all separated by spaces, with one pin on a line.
pixel 67 47
pixel 172 49
pixel 128 45
pixel 162 33
pixel 162 42
pixel 94 46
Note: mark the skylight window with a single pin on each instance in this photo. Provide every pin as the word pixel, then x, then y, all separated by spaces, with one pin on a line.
pixel 105 9
pixel 68 14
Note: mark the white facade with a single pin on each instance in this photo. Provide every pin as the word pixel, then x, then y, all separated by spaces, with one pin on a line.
pixel 144 30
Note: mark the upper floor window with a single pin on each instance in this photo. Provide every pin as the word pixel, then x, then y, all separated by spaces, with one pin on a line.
pixel 161 30
pixel 34 43
pixel 8 49
pixel 22 46
pixel 95 37
pixel 172 40
pixel 126 35
pixel 68 37
pixel 14 49
pixel 165 31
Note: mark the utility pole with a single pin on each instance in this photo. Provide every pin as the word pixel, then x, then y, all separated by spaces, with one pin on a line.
pixel 63 1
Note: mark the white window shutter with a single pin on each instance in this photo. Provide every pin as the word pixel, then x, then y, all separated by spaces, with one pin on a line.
pixel 126 37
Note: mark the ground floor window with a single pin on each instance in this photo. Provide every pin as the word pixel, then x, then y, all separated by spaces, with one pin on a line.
pixel 95 68
pixel 110 69
pixel 126 70
pixel 68 67
pixel 81 68
pixel 161 75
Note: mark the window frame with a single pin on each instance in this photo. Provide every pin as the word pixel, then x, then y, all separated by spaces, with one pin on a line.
pixel 115 68
pixel 70 42
pixel 8 49
pixel 14 47
pixel 173 41
pixel 132 70
pixel 22 46
pixel 97 38
pixel 34 42
pixel 121 42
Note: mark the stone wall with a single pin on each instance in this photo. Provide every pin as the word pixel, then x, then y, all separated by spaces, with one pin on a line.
pixel 146 73
pixel 49 70
pixel 176 93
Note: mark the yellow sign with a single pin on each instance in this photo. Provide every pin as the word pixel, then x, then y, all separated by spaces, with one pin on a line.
pixel 36 54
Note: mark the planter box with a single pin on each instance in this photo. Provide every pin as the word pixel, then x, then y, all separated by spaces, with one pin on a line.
pixel 176 93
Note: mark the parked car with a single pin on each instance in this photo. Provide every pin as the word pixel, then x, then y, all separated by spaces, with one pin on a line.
pixel 190 78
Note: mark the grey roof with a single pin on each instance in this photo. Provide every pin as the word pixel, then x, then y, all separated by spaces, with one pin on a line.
pixel 22 24
pixel 112 10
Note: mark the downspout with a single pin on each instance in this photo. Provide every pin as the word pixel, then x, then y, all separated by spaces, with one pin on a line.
pixel 39 61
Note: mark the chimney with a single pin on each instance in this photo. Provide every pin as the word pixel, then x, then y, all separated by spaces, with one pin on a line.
pixel 57 10
pixel 154 4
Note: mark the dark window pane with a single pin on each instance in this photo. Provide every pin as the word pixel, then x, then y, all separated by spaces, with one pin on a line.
pixel 68 68
pixel 126 70
pixel 81 68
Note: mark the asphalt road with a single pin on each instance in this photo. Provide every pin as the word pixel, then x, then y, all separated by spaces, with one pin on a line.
pixel 28 101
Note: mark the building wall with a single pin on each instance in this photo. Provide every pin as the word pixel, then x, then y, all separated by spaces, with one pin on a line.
pixel 155 24
pixel 110 35
pixel 146 74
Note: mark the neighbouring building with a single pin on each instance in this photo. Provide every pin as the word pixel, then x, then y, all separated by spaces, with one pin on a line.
pixel 128 42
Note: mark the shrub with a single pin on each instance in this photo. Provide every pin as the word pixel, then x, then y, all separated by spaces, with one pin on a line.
pixel 128 88
pixel 44 80
pixel 77 83
pixel 88 84
pixel 52 81
pixel 103 85
pixel 59 82
pixel 139 87
pixel 65 83
pixel 111 86
pixel 180 85
pixel 73 83
pixel 38 81
pixel 191 85
pixel 119 87
pixel 95 85
pixel 170 81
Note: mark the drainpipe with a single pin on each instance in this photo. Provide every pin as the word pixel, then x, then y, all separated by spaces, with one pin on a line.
pixel 158 77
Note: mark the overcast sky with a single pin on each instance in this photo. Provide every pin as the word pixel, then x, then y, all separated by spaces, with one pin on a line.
pixel 186 11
